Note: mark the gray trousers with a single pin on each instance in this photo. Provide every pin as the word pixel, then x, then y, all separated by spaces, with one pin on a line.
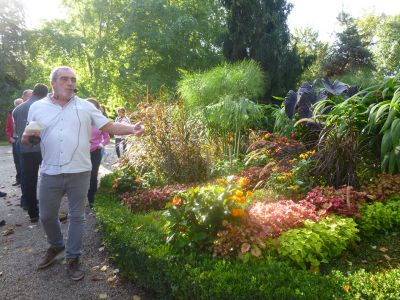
pixel 51 190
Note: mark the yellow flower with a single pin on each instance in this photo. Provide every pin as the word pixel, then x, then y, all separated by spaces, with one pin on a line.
pixel 249 194
pixel 243 181
pixel 222 181
pixel 346 288
pixel 238 212
pixel 233 198
pixel 239 193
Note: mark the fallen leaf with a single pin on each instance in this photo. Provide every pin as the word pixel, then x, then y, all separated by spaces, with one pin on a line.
pixel 29 250
pixel 111 279
pixel 104 268
pixel 101 249
pixel 136 297
pixel 387 257
pixel 103 296
pixel 94 278
pixel 8 231
pixel 18 225
pixel 383 249
pixel 95 268
pixel 116 271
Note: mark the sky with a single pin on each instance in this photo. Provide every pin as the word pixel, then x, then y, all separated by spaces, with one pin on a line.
pixel 321 14
pixel 318 14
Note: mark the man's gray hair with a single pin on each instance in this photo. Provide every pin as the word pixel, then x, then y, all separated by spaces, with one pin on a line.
pixel 27 92
pixel 54 73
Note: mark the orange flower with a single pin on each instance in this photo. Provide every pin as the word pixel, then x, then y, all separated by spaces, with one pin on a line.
pixel 346 288
pixel 249 194
pixel 238 212
pixel 115 185
pixel 241 200
pixel 138 180
pixel 176 201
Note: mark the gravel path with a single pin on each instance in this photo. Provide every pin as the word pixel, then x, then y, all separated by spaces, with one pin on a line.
pixel 22 245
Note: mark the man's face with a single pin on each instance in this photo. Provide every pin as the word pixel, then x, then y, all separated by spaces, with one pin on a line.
pixel 64 85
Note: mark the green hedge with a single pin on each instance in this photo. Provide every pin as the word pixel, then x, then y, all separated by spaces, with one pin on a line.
pixel 137 244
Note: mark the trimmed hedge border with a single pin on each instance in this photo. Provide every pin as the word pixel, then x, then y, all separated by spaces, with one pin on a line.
pixel 137 245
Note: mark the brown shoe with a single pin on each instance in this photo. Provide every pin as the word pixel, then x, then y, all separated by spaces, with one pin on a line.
pixel 73 269
pixel 50 256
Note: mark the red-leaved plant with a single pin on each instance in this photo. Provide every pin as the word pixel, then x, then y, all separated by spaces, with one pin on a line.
pixel 274 218
pixel 327 200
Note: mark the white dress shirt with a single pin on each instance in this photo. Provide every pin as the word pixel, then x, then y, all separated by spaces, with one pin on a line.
pixel 66 135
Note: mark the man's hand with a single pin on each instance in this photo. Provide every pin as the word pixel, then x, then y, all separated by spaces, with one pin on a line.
pixel 11 140
pixel 25 137
pixel 138 129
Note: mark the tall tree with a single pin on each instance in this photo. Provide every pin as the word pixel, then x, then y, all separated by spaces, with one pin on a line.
pixel 349 52
pixel 387 52
pixel 12 67
pixel 257 29
pixel 311 51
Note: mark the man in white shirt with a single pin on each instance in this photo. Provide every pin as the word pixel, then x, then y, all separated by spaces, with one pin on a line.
pixel 65 128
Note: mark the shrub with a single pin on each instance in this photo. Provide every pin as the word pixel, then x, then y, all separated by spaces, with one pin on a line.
pixel 275 218
pixel 137 245
pixel 383 186
pixel 327 200
pixel 317 242
pixel 156 199
pixel 378 217
pixel 241 240
pixel 195 217
pixel 174 145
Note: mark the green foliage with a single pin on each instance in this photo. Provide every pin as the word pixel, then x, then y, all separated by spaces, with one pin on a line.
pixel 311 51
pixel 173 146
pixel 194 217
pixel 123 49
pixel 368 285
pixel 125 180
pixel 378 218
pixel 387 52
pixel 257 30
pixel 349 52
pixel 317 242
pixel 12 54
pixel 136 243
pixel 228 81
pixel 224 167
pixel 341 145
pixel 385 117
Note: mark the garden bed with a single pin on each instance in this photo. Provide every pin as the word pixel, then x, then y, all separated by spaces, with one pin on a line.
pixel 137 244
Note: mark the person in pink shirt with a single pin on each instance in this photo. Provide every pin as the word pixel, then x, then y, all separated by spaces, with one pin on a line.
pixel 97 142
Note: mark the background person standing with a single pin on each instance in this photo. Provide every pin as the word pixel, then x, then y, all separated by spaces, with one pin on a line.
pixel 30 157
pixel 12 138
pixel 120 139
